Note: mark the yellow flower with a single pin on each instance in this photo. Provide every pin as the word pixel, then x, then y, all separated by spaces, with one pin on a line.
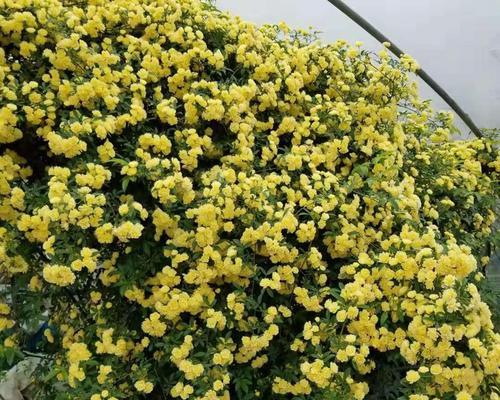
pixel 106 151
pixel 436 369
pixel 365 259
pixel 153 326
pixel 167 112
pixel 181 390
pixel 78 352
pixel 48 334
pixel 104 371
pixel 306 232
pixel 126 231
pixel 463 396
pixel 222 358
pixel 59 275
pixel 215 319
pixel 104 233
pixel 412 376
pixel 144 386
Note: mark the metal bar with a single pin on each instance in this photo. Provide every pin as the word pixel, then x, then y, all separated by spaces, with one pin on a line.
pixel 363 23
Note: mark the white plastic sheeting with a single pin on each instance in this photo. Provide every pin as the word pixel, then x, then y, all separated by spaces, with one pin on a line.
pixel 14 384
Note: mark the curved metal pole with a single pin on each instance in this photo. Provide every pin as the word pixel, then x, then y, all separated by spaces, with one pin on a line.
pixel 339 4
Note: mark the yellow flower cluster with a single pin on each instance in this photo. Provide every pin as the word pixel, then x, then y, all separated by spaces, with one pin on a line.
pixel 77 353
pixel 5 322
pixel 205 209
pixel 153 326
pixel 58 275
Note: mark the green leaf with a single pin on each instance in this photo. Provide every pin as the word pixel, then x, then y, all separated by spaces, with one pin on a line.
pixel 125 183
pixel 383 318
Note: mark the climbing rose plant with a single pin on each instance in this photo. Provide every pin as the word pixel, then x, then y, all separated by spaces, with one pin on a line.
pixel 194 207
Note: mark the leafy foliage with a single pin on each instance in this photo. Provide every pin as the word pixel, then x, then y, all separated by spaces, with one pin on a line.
pixel 193 207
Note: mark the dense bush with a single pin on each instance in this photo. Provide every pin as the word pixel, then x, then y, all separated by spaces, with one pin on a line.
pixel 198 208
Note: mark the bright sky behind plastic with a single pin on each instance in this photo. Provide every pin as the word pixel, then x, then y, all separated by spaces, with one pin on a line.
pixel 456 41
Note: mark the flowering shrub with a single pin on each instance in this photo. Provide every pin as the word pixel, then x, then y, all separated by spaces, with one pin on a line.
pixel 198 208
